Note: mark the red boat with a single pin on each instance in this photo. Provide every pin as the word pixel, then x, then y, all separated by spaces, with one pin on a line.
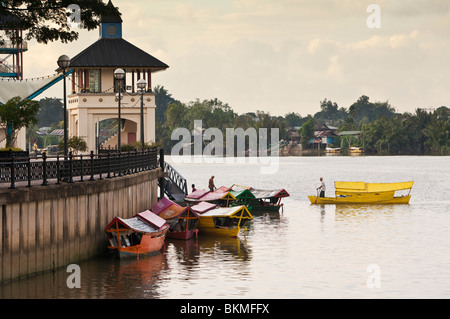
pixel 182 220
pixel 142 234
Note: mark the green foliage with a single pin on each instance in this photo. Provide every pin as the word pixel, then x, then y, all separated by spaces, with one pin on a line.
pixel 419 133
pixel 138 146
pixel 363 111
pixel 7 149
pixel 16 114
pixel 51 112
pixel 162 100
pixel 75 144
pixel 46 21
pixel 306 132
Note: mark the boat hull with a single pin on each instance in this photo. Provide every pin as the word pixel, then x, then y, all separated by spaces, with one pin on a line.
pixel 183 235
pixel 206 226
pixel 151 244
pixel 359 200
pixel 272 208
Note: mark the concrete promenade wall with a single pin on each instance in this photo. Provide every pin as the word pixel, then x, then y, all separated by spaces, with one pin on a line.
pixel 47 227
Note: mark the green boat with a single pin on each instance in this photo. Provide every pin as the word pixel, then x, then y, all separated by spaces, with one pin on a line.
pixel 262 200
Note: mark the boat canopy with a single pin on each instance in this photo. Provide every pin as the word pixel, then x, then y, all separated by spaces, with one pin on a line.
pixel 279 193
pixel 172 211
pixel 362 187
pixel 152 219
pixel 243 194
pixel 133 223
pixel 238 188
pixel 203 207
pixel 260 193
pixel 218 194
pixel 197 194
pixel 232 212
pixel 161 205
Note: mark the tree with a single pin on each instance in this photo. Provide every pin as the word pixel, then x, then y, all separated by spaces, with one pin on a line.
pixel 51 111
pixel 162 99
pixel 364 111
pixel 75 143
pixel 48 20
pixel 176 116
pixel 15 114
pixel 293 119
pixel 306 132
pixel 330 113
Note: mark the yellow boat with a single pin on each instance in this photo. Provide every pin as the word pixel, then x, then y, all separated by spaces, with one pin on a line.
pixel 224 221
pixel 366 193
pixel 356 150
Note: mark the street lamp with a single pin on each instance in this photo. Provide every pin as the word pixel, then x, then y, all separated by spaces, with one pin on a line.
pixel 119 74
pixel 141 84
pixel 63 63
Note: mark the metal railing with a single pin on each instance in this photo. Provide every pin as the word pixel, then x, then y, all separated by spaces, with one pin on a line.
pixel 27 170
pixel 176 177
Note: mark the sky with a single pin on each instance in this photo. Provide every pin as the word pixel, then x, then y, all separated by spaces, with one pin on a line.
pixel 282 56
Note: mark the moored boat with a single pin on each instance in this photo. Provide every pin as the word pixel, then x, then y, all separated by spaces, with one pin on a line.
pixel 263 200
pixel 332 150
pixel 356 150
pixel 142 234
pixel 237 195
pixel 220 196
pixel 367 193
pixel 182 221
pixel 222 221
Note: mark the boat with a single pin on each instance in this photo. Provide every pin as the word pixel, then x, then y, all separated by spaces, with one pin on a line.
pixel 242 196
pixel 237 195
pixel 263 200
pixel 332 150
pixel 142 234
pixel 221 221
pixel 356 150
pixel 182 221
pixel 367 193
pixel 221 196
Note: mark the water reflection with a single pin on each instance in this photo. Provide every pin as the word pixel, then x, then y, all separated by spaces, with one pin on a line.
pixel 361 210
pixel 108 277
pixel 322 251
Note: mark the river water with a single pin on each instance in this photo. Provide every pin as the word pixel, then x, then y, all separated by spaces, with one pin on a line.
pixel 305 251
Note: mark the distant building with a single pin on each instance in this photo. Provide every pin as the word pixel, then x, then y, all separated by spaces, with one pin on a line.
pixel 324 135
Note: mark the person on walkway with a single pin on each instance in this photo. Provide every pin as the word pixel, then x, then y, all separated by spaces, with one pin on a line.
pixel 35 149
pixel 321 188
pixel 211 185
pixel 193 188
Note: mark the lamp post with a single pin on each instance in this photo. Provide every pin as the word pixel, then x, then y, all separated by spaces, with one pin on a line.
pixel 119 74
pixel 63 63
pixel 141 84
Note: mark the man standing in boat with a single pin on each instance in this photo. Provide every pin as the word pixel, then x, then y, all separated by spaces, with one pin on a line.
pixel 211 184
pixel 321 188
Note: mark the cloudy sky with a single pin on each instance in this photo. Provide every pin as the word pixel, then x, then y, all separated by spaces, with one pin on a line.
pixel 283 56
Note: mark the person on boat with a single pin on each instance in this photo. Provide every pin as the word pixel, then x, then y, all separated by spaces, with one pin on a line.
pixel 193 188
pixel 211 185
pixel 321 188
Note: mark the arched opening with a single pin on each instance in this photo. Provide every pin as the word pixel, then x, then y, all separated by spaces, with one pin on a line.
pixel 106 133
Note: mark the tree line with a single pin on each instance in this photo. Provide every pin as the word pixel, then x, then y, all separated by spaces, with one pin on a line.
pixel 383 129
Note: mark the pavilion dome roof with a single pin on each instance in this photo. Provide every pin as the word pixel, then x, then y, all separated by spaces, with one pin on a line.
pixel 113 53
